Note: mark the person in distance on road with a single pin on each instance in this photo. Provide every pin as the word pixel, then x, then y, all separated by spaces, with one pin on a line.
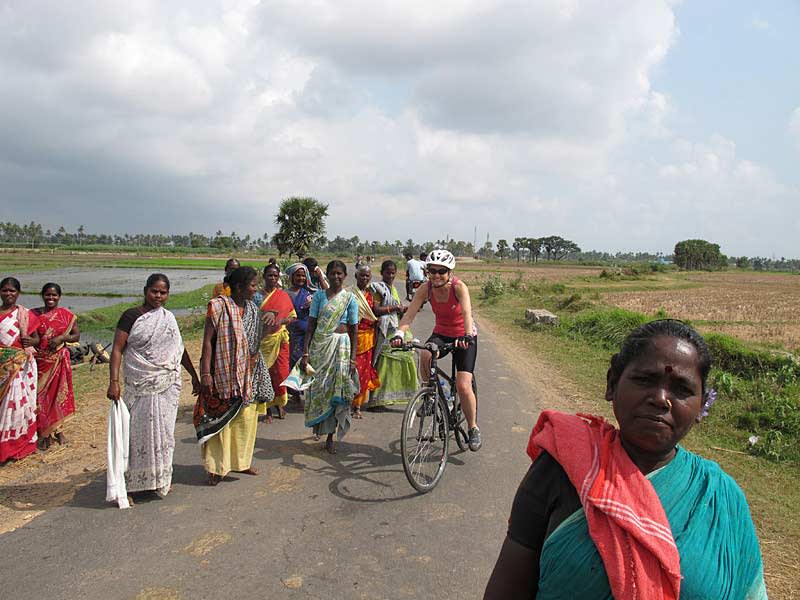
pixel 627 512
pixel 452 307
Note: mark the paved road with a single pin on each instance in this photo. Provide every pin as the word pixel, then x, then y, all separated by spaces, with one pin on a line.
pixel 310 525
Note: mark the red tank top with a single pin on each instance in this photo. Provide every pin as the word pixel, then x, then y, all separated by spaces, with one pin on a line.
pixel 449 320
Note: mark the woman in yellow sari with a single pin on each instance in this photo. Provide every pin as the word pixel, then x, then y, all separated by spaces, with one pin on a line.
pixel 278 311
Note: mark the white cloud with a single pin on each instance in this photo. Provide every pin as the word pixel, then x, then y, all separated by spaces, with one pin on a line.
pixel 759 23
pixel 412 119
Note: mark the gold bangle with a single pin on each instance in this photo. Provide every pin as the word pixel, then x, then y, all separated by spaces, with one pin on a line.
pixel 114 381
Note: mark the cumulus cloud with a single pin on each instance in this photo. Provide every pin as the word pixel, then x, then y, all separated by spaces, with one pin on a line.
pixel 411 119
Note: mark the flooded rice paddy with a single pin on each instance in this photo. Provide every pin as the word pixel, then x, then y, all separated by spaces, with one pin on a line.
pixel 93 284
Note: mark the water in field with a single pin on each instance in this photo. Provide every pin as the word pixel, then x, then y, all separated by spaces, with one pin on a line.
pixel 128 282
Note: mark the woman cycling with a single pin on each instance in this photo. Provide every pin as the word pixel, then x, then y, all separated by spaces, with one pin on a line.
pixel 452 307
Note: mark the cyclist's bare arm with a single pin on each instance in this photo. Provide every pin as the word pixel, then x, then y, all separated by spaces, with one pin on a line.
pixel 462 294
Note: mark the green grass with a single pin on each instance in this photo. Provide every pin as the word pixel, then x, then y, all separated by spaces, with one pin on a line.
pixel 104 320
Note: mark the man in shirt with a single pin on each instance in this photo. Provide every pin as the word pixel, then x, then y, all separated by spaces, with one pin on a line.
pixel 415 273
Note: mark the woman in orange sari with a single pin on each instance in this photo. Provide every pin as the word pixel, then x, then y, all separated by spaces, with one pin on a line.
pixel 55 397
pixel 278 311
pixel 18 341
pixel 366 338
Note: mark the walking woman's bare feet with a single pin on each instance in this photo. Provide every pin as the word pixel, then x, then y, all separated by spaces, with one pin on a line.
pixel 60 438
pixel 214 479
pixel 330 445
pixel 250 471
pixel 357 413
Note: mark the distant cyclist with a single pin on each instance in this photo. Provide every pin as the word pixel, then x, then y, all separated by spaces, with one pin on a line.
pixel 452 307
pixel 415 273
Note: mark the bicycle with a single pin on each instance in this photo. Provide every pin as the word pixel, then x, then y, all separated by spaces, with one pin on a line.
pixel 427 422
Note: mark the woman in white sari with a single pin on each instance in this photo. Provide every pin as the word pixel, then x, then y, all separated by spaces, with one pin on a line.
pixel 18 374
pixel 149 344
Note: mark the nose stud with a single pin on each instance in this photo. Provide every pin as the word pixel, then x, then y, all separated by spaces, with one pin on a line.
pixel 669 404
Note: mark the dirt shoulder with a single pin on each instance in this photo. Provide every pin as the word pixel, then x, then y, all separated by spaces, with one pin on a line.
pixel 51 478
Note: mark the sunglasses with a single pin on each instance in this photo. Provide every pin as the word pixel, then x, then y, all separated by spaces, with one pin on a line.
pixel 442 271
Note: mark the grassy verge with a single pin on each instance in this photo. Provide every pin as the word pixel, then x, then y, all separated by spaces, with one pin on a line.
pixel 104 320
pixel 579 350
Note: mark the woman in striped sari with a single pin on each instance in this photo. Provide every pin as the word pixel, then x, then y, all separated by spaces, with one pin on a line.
pixel 225 416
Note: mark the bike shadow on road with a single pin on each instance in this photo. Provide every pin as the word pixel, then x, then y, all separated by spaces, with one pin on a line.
pixel 357 472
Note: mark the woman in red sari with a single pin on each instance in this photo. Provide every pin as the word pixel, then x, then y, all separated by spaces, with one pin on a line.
pixel 18 341
pixel 278 311
pixel 366 336
pixel 55 397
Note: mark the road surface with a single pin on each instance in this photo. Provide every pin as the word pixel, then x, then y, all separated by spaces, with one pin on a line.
pixel 310 525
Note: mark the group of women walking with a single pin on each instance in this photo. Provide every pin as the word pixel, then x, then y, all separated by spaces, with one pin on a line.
pixel 327 343
pixel 36 395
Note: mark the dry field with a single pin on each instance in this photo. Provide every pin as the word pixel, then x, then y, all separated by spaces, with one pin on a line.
pixel 763 308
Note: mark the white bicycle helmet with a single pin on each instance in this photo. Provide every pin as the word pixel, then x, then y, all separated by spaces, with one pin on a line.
pixel 441 258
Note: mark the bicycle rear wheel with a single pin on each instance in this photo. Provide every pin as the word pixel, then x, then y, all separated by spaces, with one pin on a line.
pixel 424 439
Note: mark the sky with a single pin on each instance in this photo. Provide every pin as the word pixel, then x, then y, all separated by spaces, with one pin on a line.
pixel 622 125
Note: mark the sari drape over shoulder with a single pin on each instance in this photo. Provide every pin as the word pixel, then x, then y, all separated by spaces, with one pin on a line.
pixel 332 387
pixel 275 345
pixel 262 392
pixel 683 531
pixel 18 384
pixel 230 370
pixel 367 374
pixel 151 366
pixel 55 397
pixel 226 420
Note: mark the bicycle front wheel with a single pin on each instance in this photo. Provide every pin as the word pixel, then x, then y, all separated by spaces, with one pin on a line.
pixel 423 440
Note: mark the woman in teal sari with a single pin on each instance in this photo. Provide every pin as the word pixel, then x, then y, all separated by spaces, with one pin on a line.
pixel 627 513
pixel 330 349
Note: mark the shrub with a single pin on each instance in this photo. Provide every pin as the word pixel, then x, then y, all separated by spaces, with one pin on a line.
pixel 493 287
pixel 607 326
pixel 734 356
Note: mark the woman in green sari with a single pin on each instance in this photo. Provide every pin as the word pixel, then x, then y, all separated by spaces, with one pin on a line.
pixel 330 349
pixel 627 513
pixel 397 369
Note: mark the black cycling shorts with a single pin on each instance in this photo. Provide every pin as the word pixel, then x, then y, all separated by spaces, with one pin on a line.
pixel 464 357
